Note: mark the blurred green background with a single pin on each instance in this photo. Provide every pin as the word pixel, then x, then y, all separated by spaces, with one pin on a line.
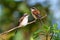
pixel 12 10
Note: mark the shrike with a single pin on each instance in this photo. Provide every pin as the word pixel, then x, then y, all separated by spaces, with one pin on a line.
pixel 35 13
pixel 23 20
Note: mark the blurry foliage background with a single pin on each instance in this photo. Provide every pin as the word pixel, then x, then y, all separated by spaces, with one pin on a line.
pixel 12 10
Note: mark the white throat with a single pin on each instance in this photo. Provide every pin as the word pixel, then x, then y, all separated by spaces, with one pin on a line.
pixel 32 9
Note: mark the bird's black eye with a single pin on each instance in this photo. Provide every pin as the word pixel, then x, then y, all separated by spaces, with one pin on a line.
pixel 33 7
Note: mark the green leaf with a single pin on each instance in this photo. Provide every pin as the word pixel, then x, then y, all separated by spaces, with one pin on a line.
pixel 46 28
pixel 55 26
pixel 38 31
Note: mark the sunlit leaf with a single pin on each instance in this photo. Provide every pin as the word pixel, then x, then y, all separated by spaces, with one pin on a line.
pixel 55 26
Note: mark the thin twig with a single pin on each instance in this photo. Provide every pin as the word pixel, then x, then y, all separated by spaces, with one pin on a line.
pixel 43 17
pixel 19 26
pixel 32 22
pixel 9 30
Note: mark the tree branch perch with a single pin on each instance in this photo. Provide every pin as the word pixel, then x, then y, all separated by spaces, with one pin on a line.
pixel 19 26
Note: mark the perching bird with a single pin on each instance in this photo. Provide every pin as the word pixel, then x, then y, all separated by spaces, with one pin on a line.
pixel 35 13
pixel 23 21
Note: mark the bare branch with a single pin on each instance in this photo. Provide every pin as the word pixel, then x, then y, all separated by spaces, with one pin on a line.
pixel 9 30
pixel 43 17
pixel 19 26
pixel 32 22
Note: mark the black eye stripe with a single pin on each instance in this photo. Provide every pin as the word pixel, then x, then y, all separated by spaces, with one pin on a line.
pixel 25 15
pixel 33 7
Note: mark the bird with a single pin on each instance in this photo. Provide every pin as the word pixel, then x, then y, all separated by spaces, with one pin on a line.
pixel 35 13
pixel 23 21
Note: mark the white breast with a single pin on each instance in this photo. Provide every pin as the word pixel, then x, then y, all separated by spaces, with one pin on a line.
pixel 25 21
